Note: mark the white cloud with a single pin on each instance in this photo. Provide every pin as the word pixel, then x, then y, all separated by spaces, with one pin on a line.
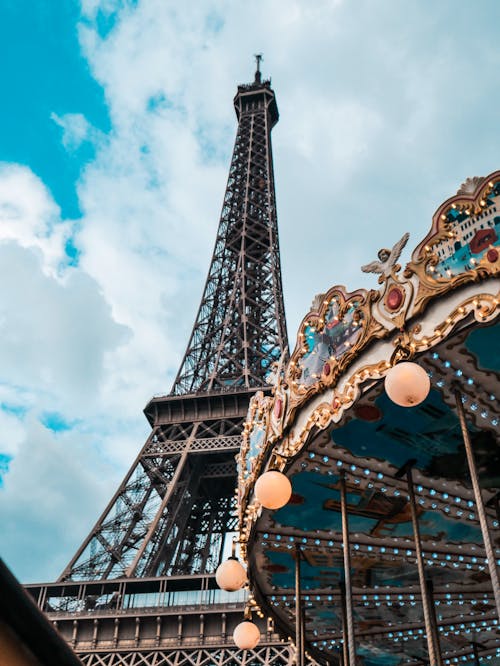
pixel 54 334
pixel 45 517
pixel 76 130
pixel 57 332
pixel 30 217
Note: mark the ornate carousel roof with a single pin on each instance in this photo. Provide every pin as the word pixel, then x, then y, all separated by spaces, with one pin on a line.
pixel 330 427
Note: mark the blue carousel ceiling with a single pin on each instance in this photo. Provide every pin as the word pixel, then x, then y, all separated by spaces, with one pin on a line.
pixel 373 440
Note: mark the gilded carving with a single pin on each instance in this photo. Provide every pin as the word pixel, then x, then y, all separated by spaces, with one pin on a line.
pixel 255 441
pixel 463 244
pixel 484 307
pixel 329 339
pixel 386 265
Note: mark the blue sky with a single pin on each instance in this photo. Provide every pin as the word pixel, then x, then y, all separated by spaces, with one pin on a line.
pixel 45 73
pixel 116 130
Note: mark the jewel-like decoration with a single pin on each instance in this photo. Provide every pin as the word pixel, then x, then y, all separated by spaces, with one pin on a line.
pixel 278 407
pixel 492 255
pixel 394 299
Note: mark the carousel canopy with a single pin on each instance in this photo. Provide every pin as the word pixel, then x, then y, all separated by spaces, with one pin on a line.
pixel 347 447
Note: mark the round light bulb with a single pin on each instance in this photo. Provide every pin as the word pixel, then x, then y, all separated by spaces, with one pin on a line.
pixel 407 384
pixel 246 635
pixel 230 575
pixel 273 490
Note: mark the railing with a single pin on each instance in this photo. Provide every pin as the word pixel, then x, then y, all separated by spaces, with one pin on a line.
pixel 125 601
pixel 232 388
pixel 199 444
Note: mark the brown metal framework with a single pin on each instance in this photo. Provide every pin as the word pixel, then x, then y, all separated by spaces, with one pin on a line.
pixel 160 621
pixel 173 518
pixel 240 328
pixel 265 655
pixel 174 511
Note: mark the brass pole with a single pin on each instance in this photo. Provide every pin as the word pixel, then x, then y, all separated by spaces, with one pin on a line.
pixel 302 630
pixel 433 654
pixel 435 628
pixel 347 572
pixel 345 652
pixel 483 521
pixel 476 655
pixel 298 610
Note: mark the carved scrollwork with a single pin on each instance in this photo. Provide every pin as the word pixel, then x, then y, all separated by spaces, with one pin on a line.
pixel 254 443
pixel 463 245
pixel 329 339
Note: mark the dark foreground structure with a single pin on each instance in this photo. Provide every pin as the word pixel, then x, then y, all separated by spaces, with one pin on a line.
pixel 141 589
pixel 27 638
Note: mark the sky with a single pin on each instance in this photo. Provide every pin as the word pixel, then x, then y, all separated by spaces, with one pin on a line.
pixel 116 132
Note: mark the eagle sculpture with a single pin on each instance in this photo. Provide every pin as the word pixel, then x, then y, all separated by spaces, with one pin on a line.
pixel 387 259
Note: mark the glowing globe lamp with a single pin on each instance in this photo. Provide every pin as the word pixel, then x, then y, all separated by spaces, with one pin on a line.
pixel 230 575
pixel 407 384
pixel 273 490
pixel 246 635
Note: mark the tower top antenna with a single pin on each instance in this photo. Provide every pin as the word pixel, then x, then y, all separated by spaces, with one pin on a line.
pixel 258 75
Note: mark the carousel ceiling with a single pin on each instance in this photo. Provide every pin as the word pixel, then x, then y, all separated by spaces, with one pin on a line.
pixel 329 415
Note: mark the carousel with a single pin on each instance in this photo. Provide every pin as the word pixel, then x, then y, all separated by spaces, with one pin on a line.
pixel 369 480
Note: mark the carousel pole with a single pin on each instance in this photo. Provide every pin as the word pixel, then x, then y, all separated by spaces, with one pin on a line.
pixel 476 654
pixel 347 573
pixel 299 644
pixel 435 629
pixel 434 656
pixel 345 650
pixel 483 521
pixel 303 632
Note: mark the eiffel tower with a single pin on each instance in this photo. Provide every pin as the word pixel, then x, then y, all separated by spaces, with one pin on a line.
pixel 141 588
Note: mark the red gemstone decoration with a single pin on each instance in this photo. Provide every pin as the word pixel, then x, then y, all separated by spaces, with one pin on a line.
pixel 394 299
pixel 368 412
pixel 336 403
pixel 327 369
pixel 492 255
pixel 278 406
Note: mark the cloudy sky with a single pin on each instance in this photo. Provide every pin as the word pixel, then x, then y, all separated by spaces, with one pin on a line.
pixel 116 131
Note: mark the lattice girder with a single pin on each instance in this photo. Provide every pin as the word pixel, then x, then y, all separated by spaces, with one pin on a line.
pixel 161 510
pixel 240 326
pixel 273 655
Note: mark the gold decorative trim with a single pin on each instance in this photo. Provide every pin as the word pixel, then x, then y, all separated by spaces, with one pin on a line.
pixel 425 257
pixel 336 306
pixel 251 455
pixel 483 307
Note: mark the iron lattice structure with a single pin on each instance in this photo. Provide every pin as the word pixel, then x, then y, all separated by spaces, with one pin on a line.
pixel 268 655
pixel 240 327
pixel 141 588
